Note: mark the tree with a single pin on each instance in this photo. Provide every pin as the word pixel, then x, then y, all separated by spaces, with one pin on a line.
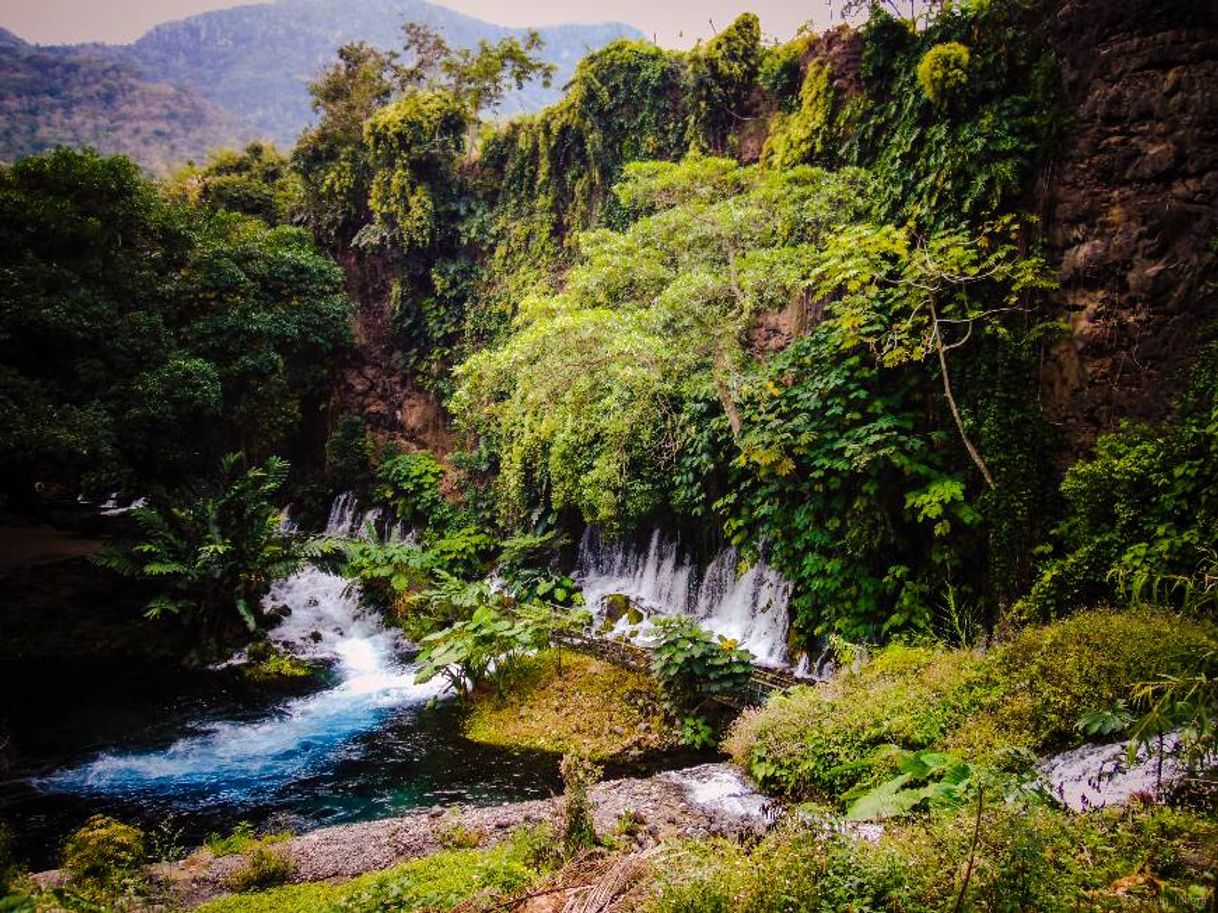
pixel 581 403
pixel 141 338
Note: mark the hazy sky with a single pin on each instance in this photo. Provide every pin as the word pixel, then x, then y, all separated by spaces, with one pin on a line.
pixel 671 22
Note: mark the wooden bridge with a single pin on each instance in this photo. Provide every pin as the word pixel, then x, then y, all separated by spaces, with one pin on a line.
pixel 628 655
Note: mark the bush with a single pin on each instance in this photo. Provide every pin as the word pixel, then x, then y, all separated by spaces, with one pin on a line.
pixel 943 71
pixel 828 739
pixel 263 867
pixel 578 776
pixel 1141 514
pixel 1037 686
pixel 1031 858
pixel 693 666
pixel 1026 694
pixel 410 484
pixel 105 859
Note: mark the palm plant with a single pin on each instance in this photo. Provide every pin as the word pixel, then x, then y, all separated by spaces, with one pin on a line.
pixel 214 549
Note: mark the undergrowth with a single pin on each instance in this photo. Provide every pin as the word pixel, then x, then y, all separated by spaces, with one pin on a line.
pixel 1024 695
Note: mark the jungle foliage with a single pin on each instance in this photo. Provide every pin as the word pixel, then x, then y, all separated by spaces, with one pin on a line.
pixel 142 338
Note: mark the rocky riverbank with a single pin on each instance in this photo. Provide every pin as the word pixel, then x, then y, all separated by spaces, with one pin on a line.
pixel 711 799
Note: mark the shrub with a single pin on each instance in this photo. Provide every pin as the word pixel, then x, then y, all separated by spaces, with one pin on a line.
pixel 1031 858
pixel 943 71
pixel 1043 681
pixel 263 867
pixel 828 739
pixel 578 776
pixel 104 860
pixel 693 666
pixel 410 484
pixel 1027 694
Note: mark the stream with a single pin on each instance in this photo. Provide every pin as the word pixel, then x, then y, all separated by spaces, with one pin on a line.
pixel 204 750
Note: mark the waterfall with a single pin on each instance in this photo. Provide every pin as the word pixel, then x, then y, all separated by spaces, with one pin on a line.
pixel 750 608
pixel 226 761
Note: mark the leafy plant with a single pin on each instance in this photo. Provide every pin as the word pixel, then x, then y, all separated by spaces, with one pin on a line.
pixel 215 549
pixel 694 667
pixel 105 862
pixel 262 867
pixel 926 778
pixel 491 645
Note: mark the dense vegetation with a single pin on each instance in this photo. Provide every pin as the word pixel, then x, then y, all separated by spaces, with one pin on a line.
pixel 790 299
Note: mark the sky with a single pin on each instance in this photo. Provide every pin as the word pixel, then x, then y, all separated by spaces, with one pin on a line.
pixel 672 23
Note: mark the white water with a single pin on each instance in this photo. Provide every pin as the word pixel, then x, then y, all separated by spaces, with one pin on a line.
pixel 223 761
pixel 1095 776
pixel 750 608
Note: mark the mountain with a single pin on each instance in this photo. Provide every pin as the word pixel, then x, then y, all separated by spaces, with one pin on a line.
pixel 219 78
pixel 85 96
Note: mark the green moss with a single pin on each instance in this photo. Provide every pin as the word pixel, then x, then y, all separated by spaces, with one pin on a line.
pixel 1028 694
pixel 440 881
pixel 589 707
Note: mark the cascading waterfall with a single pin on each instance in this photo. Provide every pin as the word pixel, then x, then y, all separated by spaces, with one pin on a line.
pixel 750 608
pixel 225 761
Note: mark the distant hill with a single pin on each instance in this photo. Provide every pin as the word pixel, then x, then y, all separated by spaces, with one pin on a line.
pixel 238 72
pixel 86 97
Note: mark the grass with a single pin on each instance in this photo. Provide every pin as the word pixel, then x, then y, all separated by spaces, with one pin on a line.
pixel 593 708
pixel 242 838
pixel 1023 696
pixel 439 881
pixel 1030 857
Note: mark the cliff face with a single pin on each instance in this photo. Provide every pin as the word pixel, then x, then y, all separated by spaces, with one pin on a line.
pixel 1130 206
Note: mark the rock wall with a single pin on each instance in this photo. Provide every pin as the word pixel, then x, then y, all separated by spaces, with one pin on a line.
pixel 1130 208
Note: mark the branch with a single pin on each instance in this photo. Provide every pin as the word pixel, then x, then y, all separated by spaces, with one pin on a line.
pixel 951 399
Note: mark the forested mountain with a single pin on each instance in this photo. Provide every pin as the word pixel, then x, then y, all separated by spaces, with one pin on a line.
pixel 195 85
pixel 256 61
pixel 89 97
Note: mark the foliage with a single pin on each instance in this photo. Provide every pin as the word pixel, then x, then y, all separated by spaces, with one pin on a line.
pixel 257 181
pixel 349 453
pixel 720 80
pixel 140 340
pixel 410 484
pixel 578 775
pixel 261 867
pixel 241 839
pixel 492 645
pixel 104 861
pixel 943 71
pixel 693 666
pixel 214 550
pixel 1141 514
pixel 814 130
pixel 943 165
pixel 439 881
pixel 1185 704
pixel 1027 694
pixel 578 404
pixel 1030 858
pixel 925 779
pixel 781 71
